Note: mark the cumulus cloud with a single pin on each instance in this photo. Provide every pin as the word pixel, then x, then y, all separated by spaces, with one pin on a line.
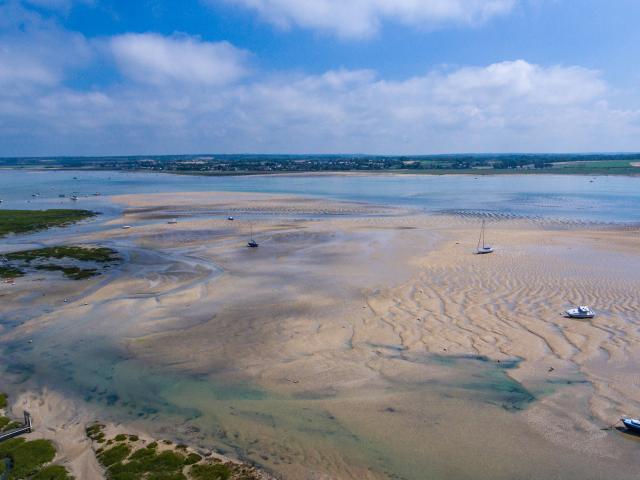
pixel 508 106
pixel 36 51
pixel 152 58
pixel 179 94
pixel 362 18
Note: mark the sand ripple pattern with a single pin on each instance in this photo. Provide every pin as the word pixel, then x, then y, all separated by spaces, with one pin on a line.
pixel 507 306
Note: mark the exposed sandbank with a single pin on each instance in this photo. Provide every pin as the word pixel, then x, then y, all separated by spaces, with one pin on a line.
pixel 355 324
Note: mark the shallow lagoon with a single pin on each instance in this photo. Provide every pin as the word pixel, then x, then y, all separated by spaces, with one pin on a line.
pixel 582 198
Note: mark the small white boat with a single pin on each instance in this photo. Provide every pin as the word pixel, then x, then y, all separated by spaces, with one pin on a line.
pixel 632 424
pixel 126 227
pixel 230 218
pixel 482 248
pixel 173 221
pixel 580 312
pixel 74 198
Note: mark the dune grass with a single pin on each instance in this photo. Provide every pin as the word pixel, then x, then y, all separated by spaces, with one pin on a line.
pixel 114 454
pixel 126 457
pixel 52 472
pixel 210 472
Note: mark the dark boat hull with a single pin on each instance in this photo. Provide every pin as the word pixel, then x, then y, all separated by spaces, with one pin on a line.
pixel 634 427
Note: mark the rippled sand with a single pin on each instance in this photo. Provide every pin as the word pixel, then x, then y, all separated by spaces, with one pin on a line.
pixel 358 341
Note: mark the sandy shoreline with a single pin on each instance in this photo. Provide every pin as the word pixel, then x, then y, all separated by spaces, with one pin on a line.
pixel 63 421
pixel 378 326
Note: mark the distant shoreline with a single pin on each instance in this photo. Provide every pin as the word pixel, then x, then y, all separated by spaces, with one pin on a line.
pixel 267 164
pixel 630 172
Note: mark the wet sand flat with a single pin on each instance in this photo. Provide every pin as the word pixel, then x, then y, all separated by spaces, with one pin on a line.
pixel 358 341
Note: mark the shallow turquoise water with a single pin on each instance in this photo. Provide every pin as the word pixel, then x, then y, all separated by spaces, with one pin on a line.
pixel 582 198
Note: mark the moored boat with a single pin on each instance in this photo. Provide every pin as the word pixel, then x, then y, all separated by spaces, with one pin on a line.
pixel 482 248
pixel 252 243
pixel 580 312
pixel 632 424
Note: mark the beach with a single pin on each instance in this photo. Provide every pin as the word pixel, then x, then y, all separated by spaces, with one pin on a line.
pixel 360 340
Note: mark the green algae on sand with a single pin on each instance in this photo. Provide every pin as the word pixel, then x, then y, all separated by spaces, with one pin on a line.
pixel 17 263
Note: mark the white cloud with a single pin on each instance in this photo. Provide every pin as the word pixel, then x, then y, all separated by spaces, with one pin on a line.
pixel 520 81
pixel 505 106
pixel 362 18
pixel 155 59
pixel 182 94
pixel 508 106
pixel 35 51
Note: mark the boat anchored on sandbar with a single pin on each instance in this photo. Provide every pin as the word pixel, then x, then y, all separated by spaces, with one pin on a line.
pixel 632 424
pixel 252 243
pixel 481 250
pixel 580 312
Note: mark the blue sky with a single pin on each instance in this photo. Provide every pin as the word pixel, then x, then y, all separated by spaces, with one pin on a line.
pixel 94 77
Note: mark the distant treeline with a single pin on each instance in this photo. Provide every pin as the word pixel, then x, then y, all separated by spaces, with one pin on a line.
pixel 242 164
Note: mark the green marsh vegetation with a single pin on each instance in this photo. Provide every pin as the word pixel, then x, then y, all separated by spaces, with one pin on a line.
pixel 52 472
pixel 83 254
pixel 24 221
pixel 27 459
pixel 127 457
pixel 6 423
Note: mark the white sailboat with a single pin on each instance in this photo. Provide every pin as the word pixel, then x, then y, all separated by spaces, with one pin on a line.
pixel 482 248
